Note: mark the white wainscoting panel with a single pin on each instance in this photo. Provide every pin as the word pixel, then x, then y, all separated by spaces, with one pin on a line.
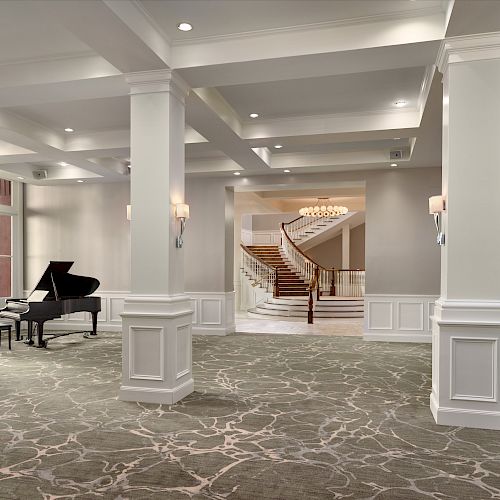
pixel 108 319
pixel 465 376
pixel 183 350
pixel 210 311
pixel 215 313
pixel 399 318
pixel 474 369
pixel 246 237
pixel 144 341
pixel 266 237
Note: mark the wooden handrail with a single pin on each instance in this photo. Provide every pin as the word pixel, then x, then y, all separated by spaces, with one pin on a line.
pixel 301 252
pixel 274 269
pixel 256 257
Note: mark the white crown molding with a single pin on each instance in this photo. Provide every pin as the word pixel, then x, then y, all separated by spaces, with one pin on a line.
pixel 302 28
pixel 425 87
pixel 151 20
pixel 467 312
pixel 468 48
pixel 161 80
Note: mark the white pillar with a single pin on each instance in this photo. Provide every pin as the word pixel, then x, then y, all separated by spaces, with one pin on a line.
pixel 466 323
pixel 157 314
pixel 346 246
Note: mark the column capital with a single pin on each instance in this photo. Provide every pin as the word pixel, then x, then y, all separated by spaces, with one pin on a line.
pixel 468 48
pixel 161 80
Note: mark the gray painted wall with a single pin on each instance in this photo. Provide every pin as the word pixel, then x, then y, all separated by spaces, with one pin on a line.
pixel 401 252
pixel 208 246
pixel 329 253
pixel 271 222
pixel 87 223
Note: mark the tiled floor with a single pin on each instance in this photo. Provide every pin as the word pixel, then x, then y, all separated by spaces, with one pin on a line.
pixel 345 327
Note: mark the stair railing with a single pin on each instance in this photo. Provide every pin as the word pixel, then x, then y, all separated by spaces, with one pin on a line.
pixel 300 227
pixel 304 265
pixel 339 282
pixel 260 272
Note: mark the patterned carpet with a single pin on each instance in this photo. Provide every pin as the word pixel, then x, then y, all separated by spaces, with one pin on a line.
pixel 272 417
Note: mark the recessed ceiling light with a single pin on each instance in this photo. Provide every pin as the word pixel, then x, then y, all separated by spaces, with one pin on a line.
pixel 21 178
pixel 79 180
pixel 236 173
pixel 394 164
pixel 63 164
pixel 286 171
pixel 69 129
pixel 254 115
pixel 400 103
pixel 397 138
pixel 184 27
pixel 278 146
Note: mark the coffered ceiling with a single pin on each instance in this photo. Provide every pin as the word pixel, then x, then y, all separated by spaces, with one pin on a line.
pixel 323 75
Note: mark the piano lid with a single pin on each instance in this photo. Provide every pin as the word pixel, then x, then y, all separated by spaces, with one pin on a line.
pixel 61 285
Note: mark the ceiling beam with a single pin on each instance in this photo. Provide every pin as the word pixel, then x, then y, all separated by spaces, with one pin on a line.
pixel 340 36
pixel 313 65
pixel 215 120
pixel 119 31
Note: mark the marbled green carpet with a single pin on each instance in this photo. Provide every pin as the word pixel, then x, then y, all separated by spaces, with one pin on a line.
pixel 272 417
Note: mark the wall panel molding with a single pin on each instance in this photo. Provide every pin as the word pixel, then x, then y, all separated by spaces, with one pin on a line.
pixel 399 318
pixel 213 313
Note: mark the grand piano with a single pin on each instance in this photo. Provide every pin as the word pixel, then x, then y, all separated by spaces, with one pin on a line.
pixel 58 292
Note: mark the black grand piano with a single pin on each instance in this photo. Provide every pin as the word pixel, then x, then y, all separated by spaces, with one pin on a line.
pixel 57 293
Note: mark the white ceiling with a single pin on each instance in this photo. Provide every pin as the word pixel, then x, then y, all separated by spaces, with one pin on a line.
pixel 86 115
pixel 223 17
pixel 25 36
pixel 322 74
pixel 353 93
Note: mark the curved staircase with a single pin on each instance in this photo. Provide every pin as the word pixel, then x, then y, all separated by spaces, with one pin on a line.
pixel 290 283
pixel 291 280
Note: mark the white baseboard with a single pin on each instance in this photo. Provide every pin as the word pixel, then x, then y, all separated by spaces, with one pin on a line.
pixel 213 313
pixel 397 337
pixel 398 318
pixel 463 417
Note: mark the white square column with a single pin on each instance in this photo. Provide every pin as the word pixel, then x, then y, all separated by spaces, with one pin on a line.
pixel 466 322
pixel 157 315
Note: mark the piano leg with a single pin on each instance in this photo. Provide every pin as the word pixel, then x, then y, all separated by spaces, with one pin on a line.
pixel 29 338
pixel 41 342
pixel 18 331
pixel 94 323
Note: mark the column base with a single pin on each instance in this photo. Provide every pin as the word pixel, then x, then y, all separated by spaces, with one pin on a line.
pixel 158 396
pixel 213 313
pixel 465 352
pixel 157 350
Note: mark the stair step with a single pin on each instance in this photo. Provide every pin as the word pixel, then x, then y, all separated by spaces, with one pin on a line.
pixel 305 308
pixel 258 312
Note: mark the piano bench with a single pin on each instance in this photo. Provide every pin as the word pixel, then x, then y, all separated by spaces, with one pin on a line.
pixel 8 327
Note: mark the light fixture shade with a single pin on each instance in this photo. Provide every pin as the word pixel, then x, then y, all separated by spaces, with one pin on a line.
pixel 129 212
pixel 182 211
pixel 436 204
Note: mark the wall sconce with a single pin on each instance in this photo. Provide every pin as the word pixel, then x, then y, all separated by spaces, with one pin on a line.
pixel 182 213
pixel 437 206
pixel 129 212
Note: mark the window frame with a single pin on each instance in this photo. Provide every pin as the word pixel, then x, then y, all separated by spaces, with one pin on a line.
pixel 15 210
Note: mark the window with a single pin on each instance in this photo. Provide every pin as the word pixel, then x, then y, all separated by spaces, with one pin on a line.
pixel 11 239
pixel 5 255
pixel 5 193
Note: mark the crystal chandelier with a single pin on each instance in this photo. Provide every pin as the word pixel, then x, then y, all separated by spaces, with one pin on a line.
pixel 323 208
